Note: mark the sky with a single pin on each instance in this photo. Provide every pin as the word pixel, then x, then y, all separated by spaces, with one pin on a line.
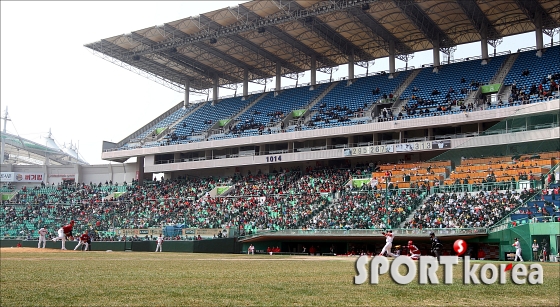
pixel 50 81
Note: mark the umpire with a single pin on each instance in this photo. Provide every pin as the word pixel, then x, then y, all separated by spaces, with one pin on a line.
pixel 436 245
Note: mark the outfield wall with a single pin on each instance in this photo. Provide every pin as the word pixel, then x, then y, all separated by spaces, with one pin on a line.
pixel 218 246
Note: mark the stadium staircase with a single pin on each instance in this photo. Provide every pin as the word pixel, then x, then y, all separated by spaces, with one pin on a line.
pixel 176 122
pixel 397 105
pixel 234 118
pixel 160 121
pixel 504 91
pixel 504 70
pixel 308 114
pixel 539 67
pixel 412 212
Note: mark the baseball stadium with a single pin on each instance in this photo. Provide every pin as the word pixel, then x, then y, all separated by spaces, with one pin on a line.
pixel 269 197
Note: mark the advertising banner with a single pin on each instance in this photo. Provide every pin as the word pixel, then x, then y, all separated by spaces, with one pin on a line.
pixel 298 113
pixel 21 177
pixel 490 88
pixel 7 176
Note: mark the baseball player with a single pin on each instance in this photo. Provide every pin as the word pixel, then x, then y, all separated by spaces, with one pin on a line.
pixel 42 237
pixel 388 244
pixel 159 242
pixel 84 238
pixel 517 246
pixel 413 251
pixel 65 232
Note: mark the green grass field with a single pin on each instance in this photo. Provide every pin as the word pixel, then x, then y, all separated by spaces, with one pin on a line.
pixel 66 278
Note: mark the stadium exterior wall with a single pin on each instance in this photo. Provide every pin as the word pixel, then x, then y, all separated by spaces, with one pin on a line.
pixel 118 173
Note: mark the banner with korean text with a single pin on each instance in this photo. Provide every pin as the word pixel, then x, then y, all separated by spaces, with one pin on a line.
pixel 21 177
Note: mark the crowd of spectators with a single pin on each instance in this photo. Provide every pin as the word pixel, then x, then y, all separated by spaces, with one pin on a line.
pixel 466 210
pixel 339 113
pixel 543 90
pixel 366 211
pixel 310 198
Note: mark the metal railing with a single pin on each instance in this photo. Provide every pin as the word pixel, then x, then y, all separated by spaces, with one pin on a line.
pixel 412 232
pixel 488 186
pixel 524 221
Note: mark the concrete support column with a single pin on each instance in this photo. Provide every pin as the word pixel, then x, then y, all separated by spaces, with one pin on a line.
pixel 45 168
pixel 350 140
pixel 539 35
pixel 208 154
pixel 313 71
pixel 140 170
pixel 186 102
pixel 375 138
pixel 351 67
pixel 401 136
pixel 215 90
pixel 391 57
pixel 245 83
pixel 436 55
pixel 176 157
pixel 484 50
pixel 78 172
pixel 328 143
pixel 291 147
pixel 480 128
pixel 278 77
pixel 430 133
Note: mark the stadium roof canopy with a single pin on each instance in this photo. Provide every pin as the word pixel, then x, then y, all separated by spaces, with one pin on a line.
pixel 23 151
pixel 252 38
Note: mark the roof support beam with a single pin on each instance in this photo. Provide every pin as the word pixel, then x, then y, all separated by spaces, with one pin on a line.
pixel 253 47
pixel 478 19
pixel 423 22
pixel 290 40
pixel 183 60
pixel 334 38
pixel 379 30
pixel 217 53
pixel 158 68
pixel 537 14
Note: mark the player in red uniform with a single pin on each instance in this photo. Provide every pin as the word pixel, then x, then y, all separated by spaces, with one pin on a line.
pixel 413 251
pixel 65 232
pixel 84 238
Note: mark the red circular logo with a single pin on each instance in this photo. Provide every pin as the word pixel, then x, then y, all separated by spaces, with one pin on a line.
pixel 460 247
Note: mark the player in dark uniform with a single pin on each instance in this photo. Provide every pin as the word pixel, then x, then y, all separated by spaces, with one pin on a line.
pixel 436 245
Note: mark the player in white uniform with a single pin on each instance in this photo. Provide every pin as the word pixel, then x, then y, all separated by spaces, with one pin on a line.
pixel 42 237
pixel 251 250
pixel 388 244
pixel 517 246
pixel 159 243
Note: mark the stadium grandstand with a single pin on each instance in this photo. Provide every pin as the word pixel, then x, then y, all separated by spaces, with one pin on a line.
pixel 467 148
